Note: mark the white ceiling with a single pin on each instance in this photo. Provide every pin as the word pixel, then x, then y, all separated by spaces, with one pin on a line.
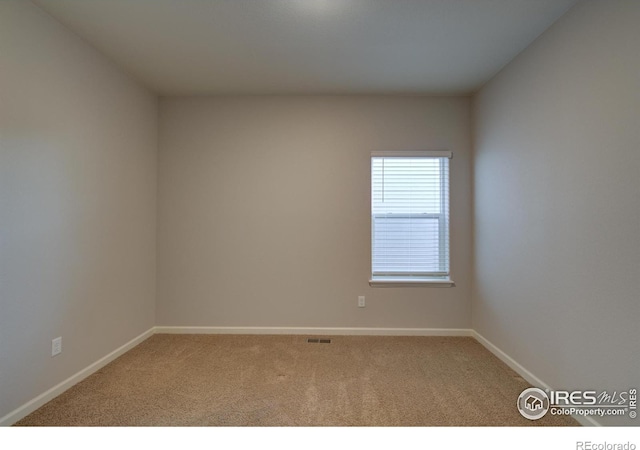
pixel 309 46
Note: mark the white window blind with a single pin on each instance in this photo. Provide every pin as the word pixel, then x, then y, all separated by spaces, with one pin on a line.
pixel 410 215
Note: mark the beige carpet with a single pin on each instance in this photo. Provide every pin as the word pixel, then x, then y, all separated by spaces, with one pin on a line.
pixel 218 380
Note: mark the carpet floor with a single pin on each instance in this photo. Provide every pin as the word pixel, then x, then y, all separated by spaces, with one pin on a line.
pixel 233 380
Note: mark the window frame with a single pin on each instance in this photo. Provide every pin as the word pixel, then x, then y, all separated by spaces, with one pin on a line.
pixel 415 279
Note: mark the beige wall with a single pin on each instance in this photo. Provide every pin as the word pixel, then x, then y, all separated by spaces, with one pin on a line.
pixel 77 204
pixel 264 213
pixel 557 202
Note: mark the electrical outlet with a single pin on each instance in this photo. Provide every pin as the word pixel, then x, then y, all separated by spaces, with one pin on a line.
pixel 56 346
pixel 361 303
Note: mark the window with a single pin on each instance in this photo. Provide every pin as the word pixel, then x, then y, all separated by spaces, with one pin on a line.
pixel 410 218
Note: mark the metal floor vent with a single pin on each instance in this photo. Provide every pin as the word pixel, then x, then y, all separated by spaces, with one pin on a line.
pixel 318 341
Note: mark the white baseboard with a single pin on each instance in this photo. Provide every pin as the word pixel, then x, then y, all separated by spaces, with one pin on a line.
pixel 58 389
pixel 336 331
pixel 526 374
pixel 509 361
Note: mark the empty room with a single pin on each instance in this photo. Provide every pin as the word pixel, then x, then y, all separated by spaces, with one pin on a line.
pixel 334 213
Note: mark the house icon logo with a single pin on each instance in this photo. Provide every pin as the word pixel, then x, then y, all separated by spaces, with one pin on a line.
pixel 533 403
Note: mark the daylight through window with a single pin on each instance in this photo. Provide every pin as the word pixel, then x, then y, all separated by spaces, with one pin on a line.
pixel 410 216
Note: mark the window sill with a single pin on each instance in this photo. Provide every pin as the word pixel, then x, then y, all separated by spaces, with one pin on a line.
pixel 411 282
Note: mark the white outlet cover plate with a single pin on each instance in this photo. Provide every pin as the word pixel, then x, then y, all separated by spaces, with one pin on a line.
pixel 56 346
